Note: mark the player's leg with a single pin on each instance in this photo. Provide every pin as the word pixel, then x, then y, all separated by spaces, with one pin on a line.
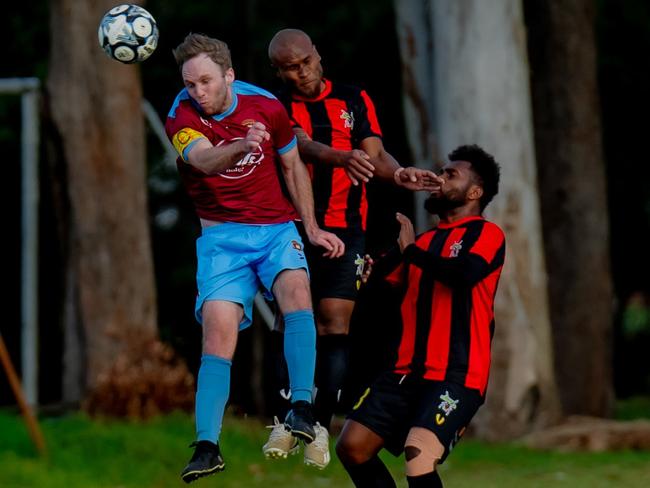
pixel 422 451
pixel 280 443
pixel 358 448
pixel 333 322
pixel 283 271
pixel 335 286
pixel 291 289
pixel 221 321
pixel 443 413
pixel 379 419
pixel 226 284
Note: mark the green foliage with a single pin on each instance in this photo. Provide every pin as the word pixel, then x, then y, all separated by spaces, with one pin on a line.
pixel 636 407
pixel 106 453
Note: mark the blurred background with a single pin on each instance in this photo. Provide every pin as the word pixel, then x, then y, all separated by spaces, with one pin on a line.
pixel 556 90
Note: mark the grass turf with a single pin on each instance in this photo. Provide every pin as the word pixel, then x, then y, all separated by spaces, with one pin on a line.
pixel 87 452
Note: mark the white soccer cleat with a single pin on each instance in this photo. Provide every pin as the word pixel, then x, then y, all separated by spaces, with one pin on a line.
pixel 281 443
pixel 317 453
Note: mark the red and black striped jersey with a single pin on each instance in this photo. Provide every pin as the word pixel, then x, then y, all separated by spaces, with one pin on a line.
pixel 340 117
pixel 450 274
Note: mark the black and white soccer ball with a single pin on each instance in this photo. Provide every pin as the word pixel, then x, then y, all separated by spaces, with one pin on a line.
pixel 128 33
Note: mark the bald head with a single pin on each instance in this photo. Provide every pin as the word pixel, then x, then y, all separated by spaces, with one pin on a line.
pixel 287 42
pixel 298 62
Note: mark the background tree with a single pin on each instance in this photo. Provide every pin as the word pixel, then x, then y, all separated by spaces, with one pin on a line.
pixel 481 95
pixel 95 107
pixel 571 172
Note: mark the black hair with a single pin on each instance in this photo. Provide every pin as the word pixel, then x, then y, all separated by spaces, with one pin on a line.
pixel 484 166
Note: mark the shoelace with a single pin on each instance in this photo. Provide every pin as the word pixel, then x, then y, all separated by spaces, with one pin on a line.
pixel 321 441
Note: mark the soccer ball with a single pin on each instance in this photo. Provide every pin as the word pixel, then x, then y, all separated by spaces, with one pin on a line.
pixel 128 33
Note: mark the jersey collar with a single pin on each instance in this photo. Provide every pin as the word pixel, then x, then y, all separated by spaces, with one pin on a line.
pixel 462 221
pixel 326 91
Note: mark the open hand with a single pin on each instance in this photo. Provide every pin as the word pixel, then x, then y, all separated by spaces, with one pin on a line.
pixel 334 247
pixel 406 232
pixel 358 167
pixel 417 179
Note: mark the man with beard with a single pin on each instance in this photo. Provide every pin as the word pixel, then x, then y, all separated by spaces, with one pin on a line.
pixel 450 273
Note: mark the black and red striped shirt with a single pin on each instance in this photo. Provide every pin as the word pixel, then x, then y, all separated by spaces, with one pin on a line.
pixel 451 274
pixel 340 117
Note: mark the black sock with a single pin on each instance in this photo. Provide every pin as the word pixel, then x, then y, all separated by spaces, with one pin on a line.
pixel 331 368
pixel 281 402
pixel 371 474
pixel 429 480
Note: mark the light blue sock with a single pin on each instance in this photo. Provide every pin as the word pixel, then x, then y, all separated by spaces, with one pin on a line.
pixel 300 352
pixel 213 388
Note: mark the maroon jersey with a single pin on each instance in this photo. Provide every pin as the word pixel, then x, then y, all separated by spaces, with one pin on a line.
pixel 451 275
pixel 250 192
pixel 340 117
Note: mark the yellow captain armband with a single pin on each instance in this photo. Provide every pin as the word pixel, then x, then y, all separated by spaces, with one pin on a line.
pixel 184 138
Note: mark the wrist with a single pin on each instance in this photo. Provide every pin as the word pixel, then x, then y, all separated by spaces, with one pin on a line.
pixel 396 174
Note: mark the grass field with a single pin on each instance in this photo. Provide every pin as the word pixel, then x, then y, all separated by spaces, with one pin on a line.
pixel 92 453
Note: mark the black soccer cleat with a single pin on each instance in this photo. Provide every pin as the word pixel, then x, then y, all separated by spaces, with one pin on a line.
pixel 205 461
pixel 300 421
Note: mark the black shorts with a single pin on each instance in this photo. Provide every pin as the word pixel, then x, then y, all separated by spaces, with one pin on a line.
pixel 394 403
pixel 340 277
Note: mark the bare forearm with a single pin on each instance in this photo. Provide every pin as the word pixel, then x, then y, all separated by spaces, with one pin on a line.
pixel 319 153
pixel 385 165
pixel 300 191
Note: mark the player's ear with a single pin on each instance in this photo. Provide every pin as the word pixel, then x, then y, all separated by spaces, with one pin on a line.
pixel 230 75
pixel 316 52
pixel 475 192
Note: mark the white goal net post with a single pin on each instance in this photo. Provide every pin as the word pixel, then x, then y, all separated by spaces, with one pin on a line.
pixel 28 90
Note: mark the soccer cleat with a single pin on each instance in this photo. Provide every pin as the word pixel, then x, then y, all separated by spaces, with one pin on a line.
pixel 281 443
pixel 300 421
pixel 205 461
pixel 317 453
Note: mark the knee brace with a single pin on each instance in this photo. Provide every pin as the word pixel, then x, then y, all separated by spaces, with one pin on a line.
pixel 422 451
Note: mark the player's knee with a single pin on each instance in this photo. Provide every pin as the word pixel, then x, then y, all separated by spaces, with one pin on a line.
pixel 351 452
pixel 292 290
pixel 422 451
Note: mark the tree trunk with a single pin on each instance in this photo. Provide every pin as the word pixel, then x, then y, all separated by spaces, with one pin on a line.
pixel 574 201
pixel 95 105
pixel 481 95
pixel 416 43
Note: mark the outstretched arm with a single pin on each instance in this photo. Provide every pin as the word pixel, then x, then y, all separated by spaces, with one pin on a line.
pixel 299 186
pixel 387 168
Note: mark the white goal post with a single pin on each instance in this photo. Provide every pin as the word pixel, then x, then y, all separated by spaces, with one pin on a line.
pixel 28 89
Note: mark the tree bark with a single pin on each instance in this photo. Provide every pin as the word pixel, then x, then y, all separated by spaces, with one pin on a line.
pixel 95 105
pixel 415 37
pixel 481 95
pixel 574 201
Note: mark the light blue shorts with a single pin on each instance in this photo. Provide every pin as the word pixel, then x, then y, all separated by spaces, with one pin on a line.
pixel 234 260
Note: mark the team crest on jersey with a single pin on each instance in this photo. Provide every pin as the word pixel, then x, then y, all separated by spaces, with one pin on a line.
pixel 248 122
pixel 447 405
pixel 348 119
pixel 296 245
pixel 455 248
pixel 244 166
